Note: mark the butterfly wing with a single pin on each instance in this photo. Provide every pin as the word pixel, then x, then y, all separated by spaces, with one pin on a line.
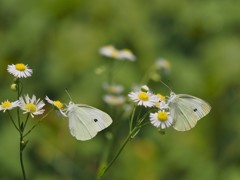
pixel 186 110
pixel 85 121
pixel 101 120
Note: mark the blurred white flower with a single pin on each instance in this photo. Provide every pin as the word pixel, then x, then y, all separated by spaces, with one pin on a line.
pixel 114 100
pixel 126 54
pixel 109 51
pixel 32 105
pixel 19 70
pixel 7 105
pixel 163 64
pixel 113 88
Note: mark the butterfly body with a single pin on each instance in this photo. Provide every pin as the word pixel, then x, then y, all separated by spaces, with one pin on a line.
pixel 86 121
pixel 186 110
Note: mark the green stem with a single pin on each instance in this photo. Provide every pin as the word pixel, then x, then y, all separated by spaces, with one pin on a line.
pixel 13 121
pixel 131 119
pixel 104 170
pixel 35 125
pixel 21 155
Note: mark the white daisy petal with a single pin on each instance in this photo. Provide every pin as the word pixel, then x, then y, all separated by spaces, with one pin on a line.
pixel 7 105
pixel 19 70
pixel 161 119
pixel 145 99
pixel 31 105
pixel 57 104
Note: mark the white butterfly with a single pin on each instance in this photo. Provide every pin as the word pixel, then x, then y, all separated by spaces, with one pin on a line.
pixel 186 110
pixel 86 121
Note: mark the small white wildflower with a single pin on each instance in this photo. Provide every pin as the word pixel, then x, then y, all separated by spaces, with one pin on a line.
pixel 114 100
pixel 161 102
pixel 126 54
pixel 161 119
pixel 109 51
pixel 19 70
pixel 32 105
pixel 7 105
pixel 163 64
pixel 57 104
pixel 145 99
pixel 113 88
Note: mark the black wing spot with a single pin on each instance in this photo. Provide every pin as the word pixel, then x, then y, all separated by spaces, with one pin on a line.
pixel 195 110
pixel 95 120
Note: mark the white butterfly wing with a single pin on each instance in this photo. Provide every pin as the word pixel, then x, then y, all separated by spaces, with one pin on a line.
pixel 186 110
pixel 101 120
pixel 85 121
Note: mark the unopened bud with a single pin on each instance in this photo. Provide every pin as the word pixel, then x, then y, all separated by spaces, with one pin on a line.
pixel 13 87
pixel 145 88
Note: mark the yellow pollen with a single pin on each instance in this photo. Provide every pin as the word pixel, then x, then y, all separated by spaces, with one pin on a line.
pixel 143 96
pixel 162 98
pixel 20 67
pixel 30 107
pixel 162 116
pixel 115 53
pixel 6 104
pixel 58 104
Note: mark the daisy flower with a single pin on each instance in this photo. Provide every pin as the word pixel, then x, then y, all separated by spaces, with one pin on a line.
pixel 109 51
pixel 113 88
pixel 145 99
pixel 163 64
pixel 7 105
pixel 19 70
pixel 57 104
pixel 114 100
pixel 32 105
pixel 126 54
pixel 161 102
pixel 161 119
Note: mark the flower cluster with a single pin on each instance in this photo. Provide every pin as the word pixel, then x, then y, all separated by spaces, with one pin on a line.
pixel 32 105
pixel 111 52
pixel 161 117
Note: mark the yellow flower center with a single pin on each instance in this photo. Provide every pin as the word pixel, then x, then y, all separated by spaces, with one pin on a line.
pixel 58 104
pixel 20 67
pixel 143 96
pixel 6 104
pixel 30 107
pixel 115 53
pixel 162 98
pixel 162 116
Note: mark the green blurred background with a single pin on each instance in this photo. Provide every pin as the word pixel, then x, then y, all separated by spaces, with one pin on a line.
pixel 60 41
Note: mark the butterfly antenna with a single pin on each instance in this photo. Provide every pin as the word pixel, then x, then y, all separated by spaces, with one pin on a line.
pixel 68 94
pixel 166 85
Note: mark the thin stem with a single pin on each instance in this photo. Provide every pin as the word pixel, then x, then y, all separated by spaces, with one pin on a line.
pixel 20 129
pixel 18 109
pixel 104 170
pixel 21 156
pixel 26 121
pixel 35 125
pixel 131 119
pixel 13 121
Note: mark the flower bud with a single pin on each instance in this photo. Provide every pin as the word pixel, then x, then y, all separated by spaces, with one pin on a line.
pixel 13 87
pixel 145 88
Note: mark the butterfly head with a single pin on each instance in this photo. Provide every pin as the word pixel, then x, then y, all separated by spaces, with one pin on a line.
pixel 172 96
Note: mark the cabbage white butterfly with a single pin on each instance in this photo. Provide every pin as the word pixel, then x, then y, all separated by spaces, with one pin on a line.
pixel 186 110
pixel 86 121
